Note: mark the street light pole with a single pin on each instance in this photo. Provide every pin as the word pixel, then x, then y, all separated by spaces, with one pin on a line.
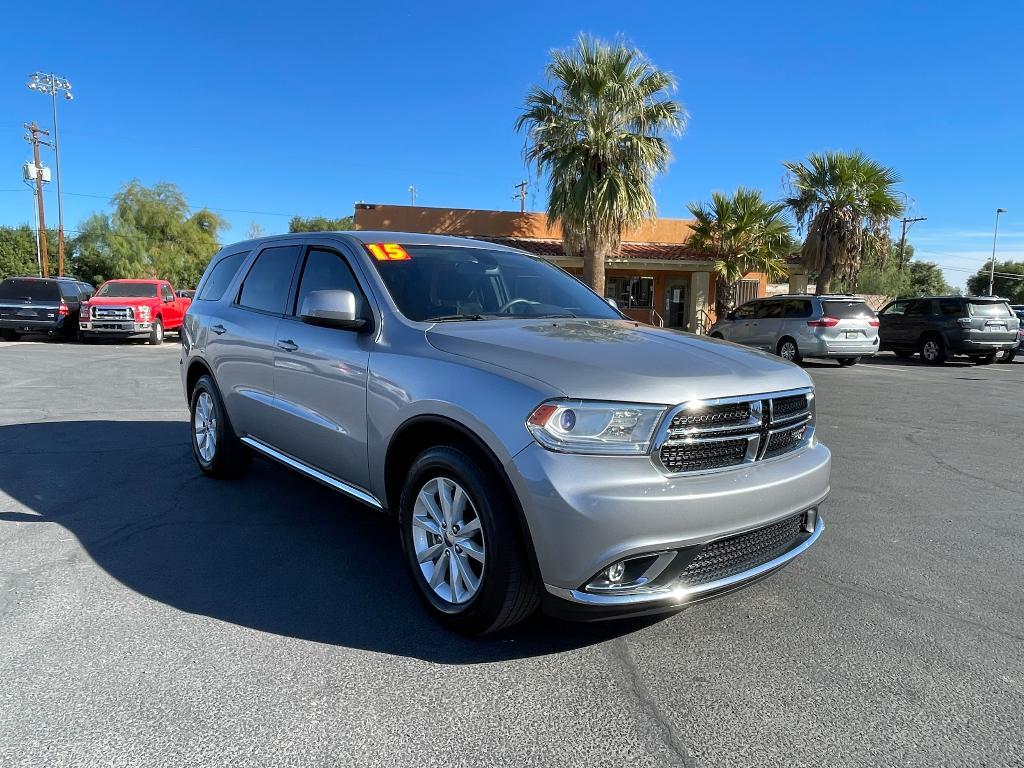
pixel 992 266
pixel 52 84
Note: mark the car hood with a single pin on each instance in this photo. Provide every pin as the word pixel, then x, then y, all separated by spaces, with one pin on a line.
pixel 618 359
pixel 120 301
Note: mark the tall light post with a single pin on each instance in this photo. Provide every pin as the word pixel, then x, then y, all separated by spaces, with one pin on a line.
pixel 991 268
pixel 49 83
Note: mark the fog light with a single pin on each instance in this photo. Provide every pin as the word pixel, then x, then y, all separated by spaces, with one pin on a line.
pixel 615 573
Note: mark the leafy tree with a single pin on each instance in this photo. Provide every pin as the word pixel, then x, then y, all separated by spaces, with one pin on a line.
pixel 320 224
pixel 150 233
pixel 744 233
pixel 926 279
pixel 845 202
pixel 18 251
pixel 598 132
pixel 1011 288
pixel 255 231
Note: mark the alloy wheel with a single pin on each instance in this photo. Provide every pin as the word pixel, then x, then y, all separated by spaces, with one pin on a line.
pixel 448 540
pixel 204 423
pixel 788 351
pixel 930 350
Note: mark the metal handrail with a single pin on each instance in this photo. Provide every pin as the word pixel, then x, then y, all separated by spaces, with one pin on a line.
pixel 703 322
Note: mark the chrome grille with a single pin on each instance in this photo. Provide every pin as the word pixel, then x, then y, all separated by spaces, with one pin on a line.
pixel 112 313
pixel 736 554
pixel 717 435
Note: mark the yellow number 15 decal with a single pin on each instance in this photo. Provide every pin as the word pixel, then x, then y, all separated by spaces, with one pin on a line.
pixel 388 252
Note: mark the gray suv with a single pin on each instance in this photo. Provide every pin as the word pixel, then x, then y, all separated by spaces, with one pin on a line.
pixel 839 326
pixel 533 445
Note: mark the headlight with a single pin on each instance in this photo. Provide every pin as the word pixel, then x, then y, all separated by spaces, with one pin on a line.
pixel 142 312
pixel 577 426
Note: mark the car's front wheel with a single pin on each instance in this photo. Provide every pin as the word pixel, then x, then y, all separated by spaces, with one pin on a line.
pixel 156 333
pixel 462 543
pixel 216 448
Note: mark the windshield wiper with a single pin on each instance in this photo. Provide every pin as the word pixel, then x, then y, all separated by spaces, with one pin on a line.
pixel 446 318
pixel 566 314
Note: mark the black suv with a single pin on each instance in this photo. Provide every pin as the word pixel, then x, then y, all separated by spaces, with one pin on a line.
pixel 980 327
pixel 41 305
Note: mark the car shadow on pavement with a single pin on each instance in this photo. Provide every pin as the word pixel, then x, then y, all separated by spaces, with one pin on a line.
pixel 274 551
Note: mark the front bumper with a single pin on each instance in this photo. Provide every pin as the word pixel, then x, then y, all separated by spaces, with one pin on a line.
pixel 585 513
pixel 115 328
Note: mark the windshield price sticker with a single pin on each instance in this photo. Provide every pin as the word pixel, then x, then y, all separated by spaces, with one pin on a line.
pixel 388 252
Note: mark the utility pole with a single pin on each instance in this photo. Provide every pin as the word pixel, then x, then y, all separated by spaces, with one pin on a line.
pixel 51 84
pixel 521 186
pixel 33 136
pixel 992 268
pixel 412 194
pixel 903 237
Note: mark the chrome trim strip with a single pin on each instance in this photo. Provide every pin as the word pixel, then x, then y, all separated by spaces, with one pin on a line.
pixel 311 472
pixel 670 597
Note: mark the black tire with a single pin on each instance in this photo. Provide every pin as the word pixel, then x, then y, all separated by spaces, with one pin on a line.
pixel 230 458
pixel 9 335
pixel 156 335
pixel 846 362
pixel 1008 356
pixel 903 354
pixel 788 350
pixel 717 335
pixel 933 349
pixel 508 591
pixel 985 359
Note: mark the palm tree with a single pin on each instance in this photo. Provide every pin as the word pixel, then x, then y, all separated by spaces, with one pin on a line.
pixel 598 132
pixel 845 202
pixel 744 233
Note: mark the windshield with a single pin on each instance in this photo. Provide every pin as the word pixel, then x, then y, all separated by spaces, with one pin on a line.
pixel 846 310
pixel 128 290
pixel 990 309
pixel 454 283
pixel 29 290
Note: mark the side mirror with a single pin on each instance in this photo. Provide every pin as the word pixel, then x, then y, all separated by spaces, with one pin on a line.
pixel 333 309
pixel 612 303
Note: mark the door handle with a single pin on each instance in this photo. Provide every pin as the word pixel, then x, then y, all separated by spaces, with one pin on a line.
pixel 287 345
pixel 218 329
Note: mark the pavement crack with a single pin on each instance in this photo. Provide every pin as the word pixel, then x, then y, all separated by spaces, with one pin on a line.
pixel 621 653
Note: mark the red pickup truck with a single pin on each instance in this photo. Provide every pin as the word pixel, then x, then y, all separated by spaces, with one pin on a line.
pixel 129 309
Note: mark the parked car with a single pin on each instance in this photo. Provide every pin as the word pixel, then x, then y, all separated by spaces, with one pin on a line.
pixel 1007 357
pixel 48 305
pixel 533 444
pixel 798 326
pixel 939 327
pixel 132 309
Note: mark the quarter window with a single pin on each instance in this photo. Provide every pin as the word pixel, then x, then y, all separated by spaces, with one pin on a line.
pixel 950 307
pixel 266 286
pixel 221 276
pixel 327 271
pixel 798 309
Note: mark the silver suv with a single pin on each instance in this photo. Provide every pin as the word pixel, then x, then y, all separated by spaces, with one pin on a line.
pixel 798 326
pixel 532 444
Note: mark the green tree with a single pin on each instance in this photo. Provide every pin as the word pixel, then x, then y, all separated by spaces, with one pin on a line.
pixel 744 233
pixel 320 224
pixel 18 251
pixel 845 202
pixel 150 233
pixel 926 279
pixel 1005 285
pixel 598 131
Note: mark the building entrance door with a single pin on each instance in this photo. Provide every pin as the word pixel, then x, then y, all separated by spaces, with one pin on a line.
pixel 677 305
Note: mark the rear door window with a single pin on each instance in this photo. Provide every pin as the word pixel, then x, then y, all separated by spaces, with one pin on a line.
pixel 847 310
pixel 268 283
pixel 15 289
pixel 69 291
pixel 770 310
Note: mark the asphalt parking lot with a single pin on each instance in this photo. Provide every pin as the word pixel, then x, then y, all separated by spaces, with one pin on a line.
pixel 150 616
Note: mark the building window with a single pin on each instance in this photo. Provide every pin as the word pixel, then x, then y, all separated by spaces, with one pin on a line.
pixel 637 292
pixel 746 291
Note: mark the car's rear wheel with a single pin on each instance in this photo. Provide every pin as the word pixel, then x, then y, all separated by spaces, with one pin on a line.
pixel 933 350
pixel 788 350
pixel 848 361
pixel 462 543
pixel 217 450
pixel 1008 356
pixel 156 335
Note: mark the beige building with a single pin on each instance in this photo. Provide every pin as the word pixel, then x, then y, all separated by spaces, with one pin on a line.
pixel 654 277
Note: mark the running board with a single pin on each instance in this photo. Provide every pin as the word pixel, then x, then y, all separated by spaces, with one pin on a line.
pixel 315 474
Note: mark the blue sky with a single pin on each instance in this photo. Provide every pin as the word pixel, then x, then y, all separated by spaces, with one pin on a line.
pixel 265 110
